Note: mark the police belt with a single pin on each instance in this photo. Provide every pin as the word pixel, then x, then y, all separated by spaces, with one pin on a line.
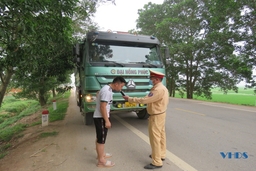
pixel 157 114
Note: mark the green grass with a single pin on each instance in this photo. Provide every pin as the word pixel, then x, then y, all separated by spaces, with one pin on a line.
pixel 12 115
pixel 243 97
pixel 7 133
pixel 48 134
pixel 12 110
pixel 62 106
pixel 232 99
pixel 35 123
pixel 3 149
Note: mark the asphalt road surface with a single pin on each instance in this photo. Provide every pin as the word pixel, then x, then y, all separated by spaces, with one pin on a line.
pixel 201 136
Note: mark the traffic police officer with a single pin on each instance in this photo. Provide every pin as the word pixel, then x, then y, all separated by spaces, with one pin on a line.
pixel 157 101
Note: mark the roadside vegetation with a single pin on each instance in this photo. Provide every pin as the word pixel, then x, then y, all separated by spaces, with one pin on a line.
pixel 245 97
pixel 14 110
pixel 211 43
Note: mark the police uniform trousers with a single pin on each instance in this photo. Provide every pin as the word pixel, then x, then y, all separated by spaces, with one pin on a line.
pixel 157 137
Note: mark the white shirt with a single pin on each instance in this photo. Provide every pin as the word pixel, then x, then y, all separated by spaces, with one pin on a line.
pixel 105 95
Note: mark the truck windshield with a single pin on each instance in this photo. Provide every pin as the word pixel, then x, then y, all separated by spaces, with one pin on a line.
pixel 102 53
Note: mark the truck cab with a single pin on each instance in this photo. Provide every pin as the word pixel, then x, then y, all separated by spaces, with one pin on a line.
pixel 103 56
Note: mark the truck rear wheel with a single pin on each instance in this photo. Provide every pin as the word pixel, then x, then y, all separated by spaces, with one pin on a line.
pixel 88 118
pixel 143 114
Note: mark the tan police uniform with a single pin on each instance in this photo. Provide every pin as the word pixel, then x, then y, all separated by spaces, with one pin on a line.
pixel 157 101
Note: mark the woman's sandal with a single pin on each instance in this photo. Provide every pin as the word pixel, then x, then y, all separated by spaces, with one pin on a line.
pixel 107 164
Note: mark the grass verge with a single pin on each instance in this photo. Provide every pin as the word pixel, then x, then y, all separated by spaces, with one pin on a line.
pixel 48 134
pixel 244 97
pixel 13 110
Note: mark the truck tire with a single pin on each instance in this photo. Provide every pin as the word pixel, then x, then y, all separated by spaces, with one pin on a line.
pixel 143 114
pixel 88 118
pixel 79 98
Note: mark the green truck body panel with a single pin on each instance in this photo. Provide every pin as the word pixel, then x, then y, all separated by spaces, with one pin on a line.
pixel 103 56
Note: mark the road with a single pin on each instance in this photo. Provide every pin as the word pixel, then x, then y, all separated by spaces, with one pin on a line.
pixel 197 133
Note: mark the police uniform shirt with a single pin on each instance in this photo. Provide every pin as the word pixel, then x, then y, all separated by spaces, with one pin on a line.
pixel 105 95
pixel 157 100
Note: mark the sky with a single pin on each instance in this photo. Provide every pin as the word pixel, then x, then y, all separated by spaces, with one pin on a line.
pixel 122 16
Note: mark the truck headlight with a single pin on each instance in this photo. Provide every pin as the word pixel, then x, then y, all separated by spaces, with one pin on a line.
pixel 90 98
pixel 119 105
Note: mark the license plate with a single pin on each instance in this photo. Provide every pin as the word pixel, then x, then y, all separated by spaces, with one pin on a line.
pixel 127 104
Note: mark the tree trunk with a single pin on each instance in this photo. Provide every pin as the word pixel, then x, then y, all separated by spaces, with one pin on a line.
pixel 42 99
pixel 172 85
pixel 5 80
pixel 189 91
pixel 42 93
pixel 53 92
pixel 174 88
pixel 171 91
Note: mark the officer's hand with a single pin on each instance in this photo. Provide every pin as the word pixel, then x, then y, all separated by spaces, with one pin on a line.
pixel 126 97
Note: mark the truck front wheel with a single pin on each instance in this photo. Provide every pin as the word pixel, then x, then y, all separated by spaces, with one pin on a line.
pixel 143 114
pixel 88 118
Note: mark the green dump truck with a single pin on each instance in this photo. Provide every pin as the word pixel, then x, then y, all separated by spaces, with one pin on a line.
pixel 103 56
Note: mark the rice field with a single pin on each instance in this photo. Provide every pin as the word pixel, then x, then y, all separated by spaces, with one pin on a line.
pixel 243 97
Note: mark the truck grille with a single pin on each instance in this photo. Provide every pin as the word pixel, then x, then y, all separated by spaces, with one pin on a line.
pixel 141 82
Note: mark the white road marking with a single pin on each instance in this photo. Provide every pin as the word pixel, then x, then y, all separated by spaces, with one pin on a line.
pixel 188 111
pixel 173 158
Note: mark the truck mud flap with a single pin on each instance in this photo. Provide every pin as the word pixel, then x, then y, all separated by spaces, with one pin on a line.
pixel 88 118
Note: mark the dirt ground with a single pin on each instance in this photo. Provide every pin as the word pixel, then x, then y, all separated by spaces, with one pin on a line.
pixel 73 149
pixel 30 152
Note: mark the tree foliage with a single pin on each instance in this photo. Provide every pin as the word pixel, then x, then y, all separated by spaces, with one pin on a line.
pixel 36 39
pixel 36 44
pixel 211 42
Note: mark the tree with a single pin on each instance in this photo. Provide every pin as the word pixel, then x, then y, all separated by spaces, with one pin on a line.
pixel 30 31
pixel 82 22
pixel 240 18
pixel 149 18
pixel 201 53
pixel 36 39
